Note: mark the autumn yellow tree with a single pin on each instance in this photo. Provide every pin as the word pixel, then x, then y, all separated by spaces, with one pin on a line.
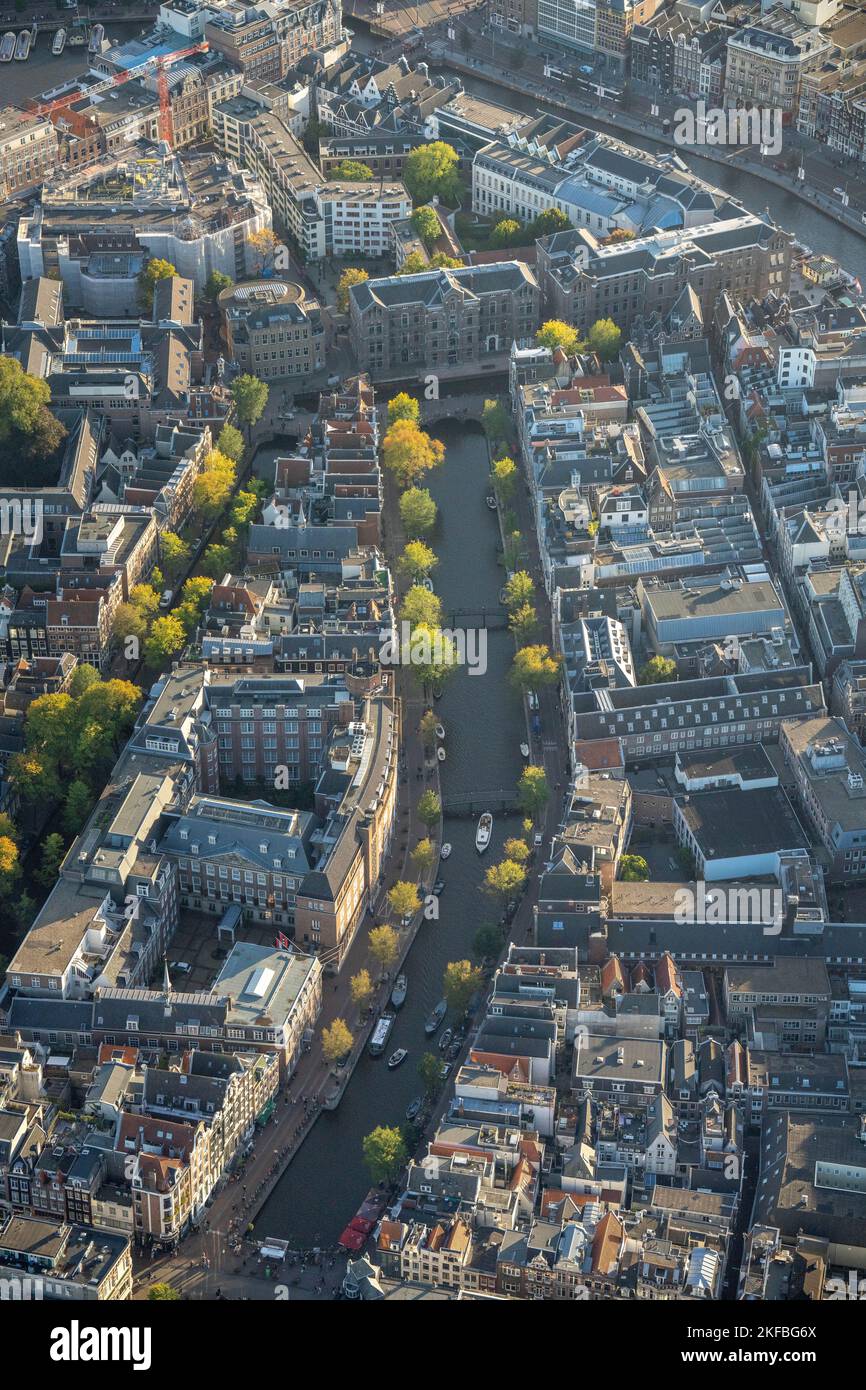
pixel 409 453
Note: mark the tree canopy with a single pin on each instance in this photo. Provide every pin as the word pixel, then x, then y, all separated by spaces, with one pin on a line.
pixel 431 171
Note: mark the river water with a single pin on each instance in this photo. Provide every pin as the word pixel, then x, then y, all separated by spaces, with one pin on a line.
pixel 326 1183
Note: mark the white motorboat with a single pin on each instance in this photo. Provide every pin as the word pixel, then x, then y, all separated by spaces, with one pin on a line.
pixel 397 1057
pixel 7 47
pixel 59 43
pixel 491 502
pixel 440 730
pixel 440 754
pixel 445 851
pixel 381 1033
pixel 22 47
pixel 524 748
pixel 484 831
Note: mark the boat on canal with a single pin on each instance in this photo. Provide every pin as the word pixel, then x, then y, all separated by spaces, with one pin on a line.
pixel 59 43
pixel 440 730
pixel 434 1022
pixel 446 1040
pixel 524 749
pixel 397 1058
pixel 22 47
pixel 7 47
pixel 491 502
pixel 97 34
pixel 445 851
pixel 484 831
pixel 440 754
pixel 381 1034
pixel 399 992
pixel 413 1109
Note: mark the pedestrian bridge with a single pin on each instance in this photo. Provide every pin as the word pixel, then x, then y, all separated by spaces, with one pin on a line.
pixel 469 407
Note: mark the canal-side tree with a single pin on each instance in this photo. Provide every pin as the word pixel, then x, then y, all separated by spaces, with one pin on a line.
pixel 555 333
pixel 519 590
pixel 429 805
pixel 408 452
pixel 523 623
pixel 384 1153
pixel 504 879
pixel 504 472
pixel 427 730
pixel 487 942
pixel 512 550
pixel 361 988
pixel 423 857
pixel 433 656
pixel 404 407
pixel 385 943
pixel 534 667
pixel 459 983
pixel 496 423
pixel 429 1068
pixel 403 899
pixel 165 639
pixel 336 1040
pixel 417 512
pixel 174 555
pixel 533 791
pixel 352 275
pixel 516 849
pixel 416 561
pixel 231 443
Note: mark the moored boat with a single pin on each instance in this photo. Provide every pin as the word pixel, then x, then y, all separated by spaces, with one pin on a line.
pixel 440 754
pixel 446 1040
pixel 491 502
pixel 399 992
pixel 435 1019
pixel 22 47
pixel 413 1109
pixel 440 730
pixel 397 1057
pixel 524 748
pixel 97 34
pixel 484 831
pixel 7 47
pixel 59 43
pixel 381 1034
pixel 445 851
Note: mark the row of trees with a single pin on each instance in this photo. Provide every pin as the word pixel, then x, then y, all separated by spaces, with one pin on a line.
pixel 603 338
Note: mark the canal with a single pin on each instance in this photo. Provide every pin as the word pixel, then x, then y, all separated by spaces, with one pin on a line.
pixel 483 720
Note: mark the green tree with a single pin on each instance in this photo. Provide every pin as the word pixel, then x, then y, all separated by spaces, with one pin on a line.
pixel 231 443
pixel 22 398
pixel 433 655
pixel 336 1041
pixel 487 942
pixel 523 623
pixel 604 338
pixel 352 275
pixel 508 232
pixel 548 222
pixel 361 988
pixel 442 261
pixel 53 850
pixel 149 276
pixel 431 171
pixel 429 1069
pixel 657 670
pixel 414 264
pixel 533 791
pixel 534 667
pixel 33 777
pixel 556 334
pixel 512 550
pixel 216 561
pixel 429 809
pixel 385 943
pixel 504 472
pixel 144 599
pixel 495 422
pixel 353 171
pixel 250 396
pixel 404 407
pixel 214 285
pixel 423 857
pixel 417 560
pixel 459 983
pixel 78 805
pixel 162 1293
pixel 417 512
pixel 166 638
pixel 409 453
pixel 384 1153
pixel 519 590
pixel 426 223
pixel 29 433
pixel 505 879
pixel 128 622
pixel 427 730
pixel 633 868
pixel 174 555
pixel 420 606
pixel 403 899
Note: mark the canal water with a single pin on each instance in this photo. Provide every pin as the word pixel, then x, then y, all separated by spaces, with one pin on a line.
pixel 323 1187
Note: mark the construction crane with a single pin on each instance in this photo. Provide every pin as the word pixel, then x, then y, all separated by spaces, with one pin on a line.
pixel 156 64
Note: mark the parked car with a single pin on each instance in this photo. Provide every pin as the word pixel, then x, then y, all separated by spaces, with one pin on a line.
pixel 439 887
pixel 181 967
